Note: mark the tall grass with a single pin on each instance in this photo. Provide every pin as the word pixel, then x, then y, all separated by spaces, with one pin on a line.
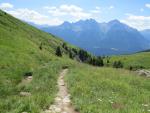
pixel 20 54
pixel 107 90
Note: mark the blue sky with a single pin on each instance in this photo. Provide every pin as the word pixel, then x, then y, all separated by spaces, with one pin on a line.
pixel 135 13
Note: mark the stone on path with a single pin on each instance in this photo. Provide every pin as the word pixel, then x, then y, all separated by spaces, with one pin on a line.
pixel 62 102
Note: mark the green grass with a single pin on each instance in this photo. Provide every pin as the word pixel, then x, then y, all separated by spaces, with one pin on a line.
pixel 42 88
pixel 20 54
pixel 134 60
pixel 108 90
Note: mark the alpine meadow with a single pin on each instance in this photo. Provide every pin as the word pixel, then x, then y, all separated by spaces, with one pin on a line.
pixel 67 60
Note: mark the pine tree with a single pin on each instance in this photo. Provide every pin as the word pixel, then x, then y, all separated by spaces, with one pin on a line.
pixel 71 54
pixel 83 55
pixel 118 64
pixel 58 52
pixel 75 51
pixel 99 62
pixel 108 61
pixel 40 47
pixel 64 45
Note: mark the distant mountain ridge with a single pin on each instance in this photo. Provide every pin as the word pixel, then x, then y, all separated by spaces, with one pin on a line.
pixel 146 34
pixel 109 38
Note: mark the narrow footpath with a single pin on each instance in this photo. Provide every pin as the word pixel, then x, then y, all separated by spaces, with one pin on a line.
pixel 62 102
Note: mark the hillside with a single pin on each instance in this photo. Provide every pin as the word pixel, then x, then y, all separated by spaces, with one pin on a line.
pixel 109 38
pixel 29 70
pixel 107 90
pixel 27 51
pixel 29 66
pixel 136 61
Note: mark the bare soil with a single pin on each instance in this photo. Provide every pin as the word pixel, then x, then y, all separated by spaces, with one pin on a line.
pixel 62 102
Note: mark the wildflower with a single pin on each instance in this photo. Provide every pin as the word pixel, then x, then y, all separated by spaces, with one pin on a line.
pixel 111 101
pixel 99 100
pixel 146 105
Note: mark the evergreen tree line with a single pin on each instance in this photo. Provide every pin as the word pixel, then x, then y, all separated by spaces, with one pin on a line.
pixel 80 55
pixel 118 64
pixel 83 56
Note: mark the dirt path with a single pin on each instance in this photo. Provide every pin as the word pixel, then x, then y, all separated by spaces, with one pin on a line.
pixel 62 101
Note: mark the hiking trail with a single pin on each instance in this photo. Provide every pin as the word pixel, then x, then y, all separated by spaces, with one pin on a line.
pixel 62 102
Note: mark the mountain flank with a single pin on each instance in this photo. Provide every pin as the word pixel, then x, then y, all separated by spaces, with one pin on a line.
pixel 109 38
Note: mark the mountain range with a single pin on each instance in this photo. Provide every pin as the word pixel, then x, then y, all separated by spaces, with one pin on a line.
pixel 146 34
pixel 109 38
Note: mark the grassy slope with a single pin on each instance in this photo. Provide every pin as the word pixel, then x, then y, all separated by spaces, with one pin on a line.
pixel 135 60
pixel 20 54
pixel 107 90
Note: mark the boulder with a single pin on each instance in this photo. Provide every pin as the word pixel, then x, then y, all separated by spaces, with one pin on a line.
pixel 143 72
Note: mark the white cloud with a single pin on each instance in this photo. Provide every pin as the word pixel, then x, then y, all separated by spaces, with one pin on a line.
pixel 49 8
pixel 139 22
pixel 96 10
pixel 54 15
pixel 147 5
pixel 33 16
pixel 111 7
pixel 68 10
pixel 5 6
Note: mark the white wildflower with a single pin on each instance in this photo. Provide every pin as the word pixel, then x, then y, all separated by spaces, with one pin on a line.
pixel 99 100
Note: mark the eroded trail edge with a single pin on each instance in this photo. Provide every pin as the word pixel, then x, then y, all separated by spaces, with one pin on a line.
pixel 62 102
